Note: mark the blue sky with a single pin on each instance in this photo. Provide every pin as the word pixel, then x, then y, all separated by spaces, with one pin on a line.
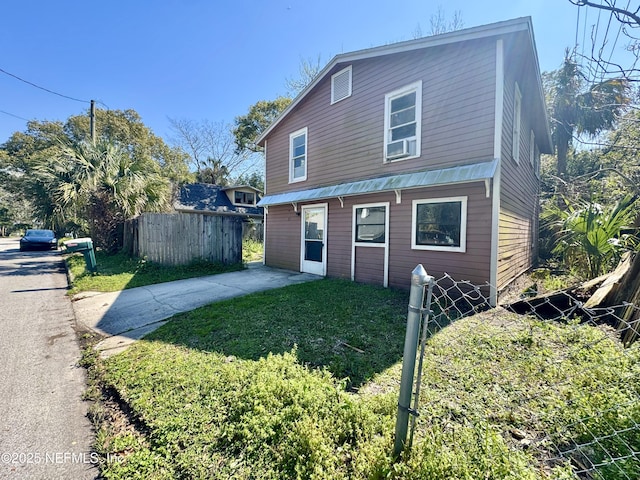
pixel 208 59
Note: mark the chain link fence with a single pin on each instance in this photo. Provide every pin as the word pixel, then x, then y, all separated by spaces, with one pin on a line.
pixel 558 381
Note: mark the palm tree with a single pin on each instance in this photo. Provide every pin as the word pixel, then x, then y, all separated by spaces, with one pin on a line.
pixel 103 185
pixel 578 108
pixel 591 238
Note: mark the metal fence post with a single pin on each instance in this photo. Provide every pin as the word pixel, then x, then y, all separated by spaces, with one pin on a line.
pixel 428 312
pixel 419 279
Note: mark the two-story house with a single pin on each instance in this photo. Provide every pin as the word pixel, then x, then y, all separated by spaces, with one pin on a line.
pixel 425 151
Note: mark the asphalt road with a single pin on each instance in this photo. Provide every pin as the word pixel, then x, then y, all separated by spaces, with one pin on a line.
pixel 44 431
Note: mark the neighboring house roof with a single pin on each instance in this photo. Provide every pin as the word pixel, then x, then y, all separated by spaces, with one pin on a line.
pixel 242 187
pixel 523 24
pixel 212 199
pixel 425 178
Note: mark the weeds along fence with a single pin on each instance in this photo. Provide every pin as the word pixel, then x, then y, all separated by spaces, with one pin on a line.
pixel 554 379
pixel 181 238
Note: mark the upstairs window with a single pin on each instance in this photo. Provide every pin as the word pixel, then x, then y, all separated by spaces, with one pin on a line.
pixel 244 198
pixel 517 111
pixel 402 123
pixel 341 85
pixel 298 156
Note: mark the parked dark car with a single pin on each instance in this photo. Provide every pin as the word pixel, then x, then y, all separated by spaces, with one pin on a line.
pixel 38 240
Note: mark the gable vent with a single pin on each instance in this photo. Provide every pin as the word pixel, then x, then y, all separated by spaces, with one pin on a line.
pixel 341 85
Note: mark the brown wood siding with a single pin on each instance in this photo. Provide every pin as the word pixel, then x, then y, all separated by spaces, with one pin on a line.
pixel 339 241
pixel 369 265
pixel 519 205
pixel 473 265
pixel 283 237
pixel 345 140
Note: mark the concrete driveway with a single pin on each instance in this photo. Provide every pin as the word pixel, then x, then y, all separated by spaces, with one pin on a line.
pixel 126 316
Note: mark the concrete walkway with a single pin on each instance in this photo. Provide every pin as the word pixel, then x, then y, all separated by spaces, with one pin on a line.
pixel 126 316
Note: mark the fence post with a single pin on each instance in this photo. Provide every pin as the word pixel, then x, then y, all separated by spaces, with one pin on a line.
pixel 419 279
pixel 423 344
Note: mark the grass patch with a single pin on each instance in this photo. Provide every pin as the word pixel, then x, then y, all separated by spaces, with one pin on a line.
pixel 352 330
pixel 119 272
pixel 252 250
pixel 254 388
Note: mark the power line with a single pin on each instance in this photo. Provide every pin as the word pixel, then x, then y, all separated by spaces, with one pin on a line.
pixel 13 115
pixel 42 88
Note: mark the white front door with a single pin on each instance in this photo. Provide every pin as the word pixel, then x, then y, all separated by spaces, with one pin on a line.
pixel 313 251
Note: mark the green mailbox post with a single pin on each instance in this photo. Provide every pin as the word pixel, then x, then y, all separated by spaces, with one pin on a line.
pixel 84 246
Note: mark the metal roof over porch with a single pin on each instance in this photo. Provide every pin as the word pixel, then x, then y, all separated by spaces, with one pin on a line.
pixel 426 178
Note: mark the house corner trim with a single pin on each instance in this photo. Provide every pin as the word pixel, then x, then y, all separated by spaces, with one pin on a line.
pixel 497 153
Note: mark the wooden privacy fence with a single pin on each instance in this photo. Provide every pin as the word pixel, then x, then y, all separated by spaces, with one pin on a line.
pixel 181 238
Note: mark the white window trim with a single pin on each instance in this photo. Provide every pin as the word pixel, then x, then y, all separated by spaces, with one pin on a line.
pixel 293 135
pixel 532 149
pixel 385 245
pixel 386 225
pixel 417 87
pixel 350 70
pixel 463 224
pixel 517 127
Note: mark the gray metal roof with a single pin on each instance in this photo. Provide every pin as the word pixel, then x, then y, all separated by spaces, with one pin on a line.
pixel 426 178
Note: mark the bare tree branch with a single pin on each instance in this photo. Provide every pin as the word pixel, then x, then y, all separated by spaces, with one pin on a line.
pixel 212 148
pixel 626 17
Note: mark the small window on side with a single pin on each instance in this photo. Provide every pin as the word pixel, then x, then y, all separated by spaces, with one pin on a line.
pixel 517 113
pixel 532 149
pixel 298 156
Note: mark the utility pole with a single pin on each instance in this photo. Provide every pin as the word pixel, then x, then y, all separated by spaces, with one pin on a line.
pixel 92 118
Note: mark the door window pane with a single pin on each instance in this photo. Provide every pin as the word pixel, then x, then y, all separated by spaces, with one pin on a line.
pixel 313 251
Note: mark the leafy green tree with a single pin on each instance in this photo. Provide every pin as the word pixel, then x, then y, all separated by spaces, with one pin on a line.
pixel 250 126
pixel 125 127
pixel 255 179
pixel 103 183
pixel 591 238
pixel 577 108
pixel 42 141
pixel 216 174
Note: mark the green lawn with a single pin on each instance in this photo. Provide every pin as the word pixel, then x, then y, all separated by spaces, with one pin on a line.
pixel 302 382
pixel 118 272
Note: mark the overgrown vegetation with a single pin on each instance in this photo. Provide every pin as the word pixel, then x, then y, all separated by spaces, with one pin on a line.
pixel 252 250
pixel 119 272
pixel 589 237
pixel 255 388
pixel 590 190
